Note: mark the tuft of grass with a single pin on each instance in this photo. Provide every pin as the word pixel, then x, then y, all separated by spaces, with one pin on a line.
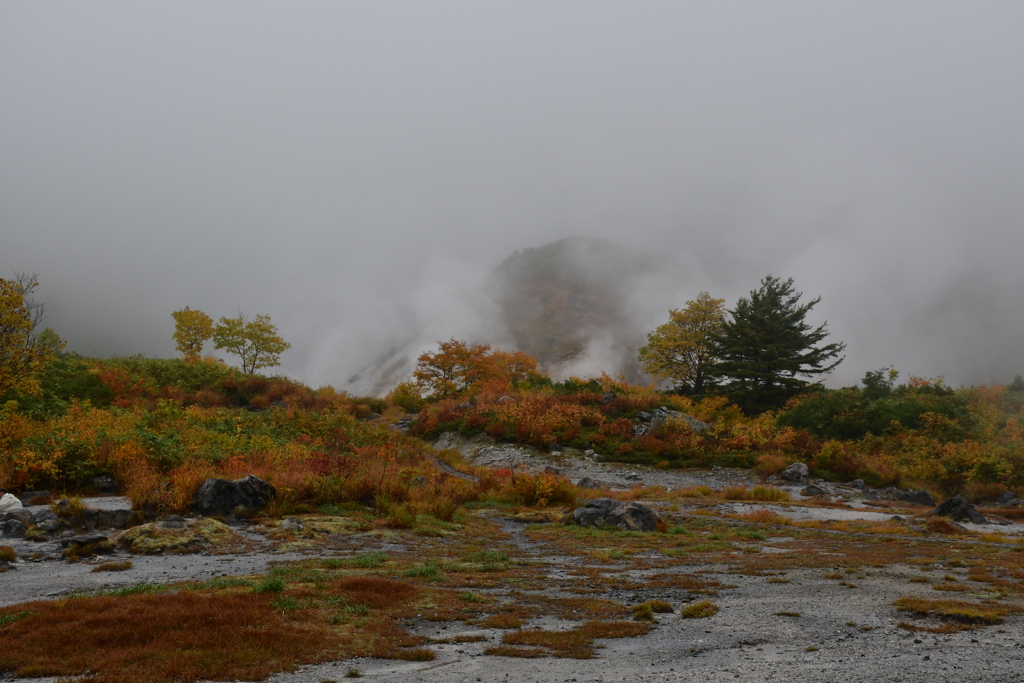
pixel 469 596
pixel 699 610
pixel 958 613
pixel 735 493
pixel 769 493
pixel 789 614
pixel 271 584
pixel 811 648
pixel 937 525
pixel 11 617
pixel 577 643
pixel 7 554
pixel 509 651
pixel 425 570
pixel 370 560
pixel 470 638
pixel 765 517
pixel 113 566
pixel 507 620
pixel 353 673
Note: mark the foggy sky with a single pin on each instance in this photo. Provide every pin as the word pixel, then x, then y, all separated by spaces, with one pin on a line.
pixel 355 170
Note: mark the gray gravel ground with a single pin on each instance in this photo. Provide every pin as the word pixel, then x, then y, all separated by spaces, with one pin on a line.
pixel 841 634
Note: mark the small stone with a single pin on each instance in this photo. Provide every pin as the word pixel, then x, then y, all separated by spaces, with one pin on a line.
pixel 292 524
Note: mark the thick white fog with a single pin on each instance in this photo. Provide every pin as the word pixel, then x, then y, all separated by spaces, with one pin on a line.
pixel 357 170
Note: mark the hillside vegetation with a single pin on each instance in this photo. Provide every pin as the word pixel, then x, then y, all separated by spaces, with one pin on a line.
pixel 162 426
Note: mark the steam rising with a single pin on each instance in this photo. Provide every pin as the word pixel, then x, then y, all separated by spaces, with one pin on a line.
pixel 359 171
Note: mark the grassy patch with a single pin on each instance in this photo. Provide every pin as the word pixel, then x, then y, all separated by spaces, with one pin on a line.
pixel 957 614
pixel 271 584
pixel 7 554
pixel 150 539
pixel 577 643
pixel 699 610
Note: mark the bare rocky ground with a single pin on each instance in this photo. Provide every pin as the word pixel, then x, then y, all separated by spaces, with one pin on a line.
pixel 832 632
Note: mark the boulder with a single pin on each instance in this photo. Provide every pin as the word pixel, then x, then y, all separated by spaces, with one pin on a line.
pixel 797 472
pixel 223 497
pixel 917 497
pixel 13 528
pixel 958 509
pixel 609 396
pixel 606 512
pixel 588 483
pixel 46 520
pixel 1009 499
pixel 104 483
pixel 550 469
pixel 505 399
pixel 292 524
pixel 857 483
pixel 813 490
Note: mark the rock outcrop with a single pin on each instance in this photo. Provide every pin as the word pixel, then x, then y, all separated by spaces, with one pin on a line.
pixel 223 497
pixel 796 473
pixel 958 509
pixel 606 512
pixel 648 421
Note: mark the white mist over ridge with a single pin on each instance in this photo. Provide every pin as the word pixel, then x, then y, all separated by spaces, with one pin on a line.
pixel 358 173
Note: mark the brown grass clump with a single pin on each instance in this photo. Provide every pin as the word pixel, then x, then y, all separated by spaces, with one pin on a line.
pixel 509 651
pixel 769 493
pixel 937 525
pixel 183 637
pixel 376 592
pixel 699 610
pixel 788 614
pixel 957 614
pixel 7 554
pixel 764 517
pixel 734 493
pixel 113 566
pixel 579 642
pixel 507 620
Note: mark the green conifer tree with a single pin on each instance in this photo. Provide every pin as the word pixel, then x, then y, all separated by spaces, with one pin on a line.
pixel 766 348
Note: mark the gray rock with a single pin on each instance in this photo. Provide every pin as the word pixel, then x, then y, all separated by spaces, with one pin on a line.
pixel 588 483
pixel 813 490
pixel 22 515
pixel 609 396
pixel 13 528
pixel 797 472
pixel 912 496
pixel 857 483
pixel 549 469
pixel 1009 499
pixel 633 477
pixel 644 416
pixel 223 497
pixel 960 510
pixel 632 516
pixel 83 539
pixel 505 399
pixel 292 524
pixel 641 429
pixel 46 520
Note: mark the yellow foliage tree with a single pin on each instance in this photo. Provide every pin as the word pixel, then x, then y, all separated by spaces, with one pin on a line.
pixel 454 368
pixel 256 342
pixel 22 350
pixel 681 350
pixel 191 330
